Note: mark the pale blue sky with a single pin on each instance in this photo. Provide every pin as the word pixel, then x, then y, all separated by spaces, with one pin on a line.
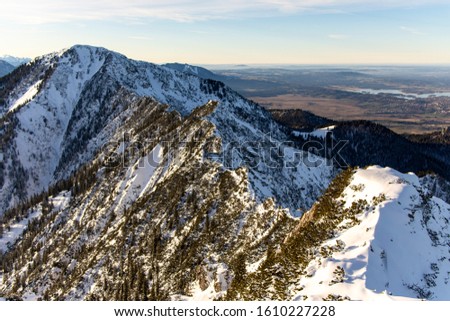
pixel 228 32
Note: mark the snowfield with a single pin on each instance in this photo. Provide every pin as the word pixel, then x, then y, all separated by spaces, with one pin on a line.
pixel 140 178
pixel 400 249
pixel 29 94
pixel 319 133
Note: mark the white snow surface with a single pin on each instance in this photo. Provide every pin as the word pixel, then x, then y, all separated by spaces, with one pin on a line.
pixel 29 94
pixel 16 230
pixel 319 133
pixel 399 251
pixel 140 178
pixel 45 118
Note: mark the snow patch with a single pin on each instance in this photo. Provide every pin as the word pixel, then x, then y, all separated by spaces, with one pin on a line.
pixel 319 133
pixel 16 230
pixel 140 177
pixel 26 97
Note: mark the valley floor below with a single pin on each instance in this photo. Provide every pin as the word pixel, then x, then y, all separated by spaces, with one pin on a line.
pixel 348 109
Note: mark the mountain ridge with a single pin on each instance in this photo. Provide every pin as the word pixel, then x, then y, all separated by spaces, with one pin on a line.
pixel 194 70
pixel 144 183
pixel 80 85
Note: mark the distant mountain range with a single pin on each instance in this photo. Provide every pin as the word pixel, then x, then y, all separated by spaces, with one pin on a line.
pixel 126 180
pixel 9 63
pixel 194 70
pixel 15 61
pixel 5 68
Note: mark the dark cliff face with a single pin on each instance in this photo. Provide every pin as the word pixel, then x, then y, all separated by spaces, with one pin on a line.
pixel 299 119
pixel 371 143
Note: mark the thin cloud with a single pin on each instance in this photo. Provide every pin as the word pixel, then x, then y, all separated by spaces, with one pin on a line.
pixel 140 37
pixel 201 32
pixel 413 31
pixel 338 36
pixel 56 11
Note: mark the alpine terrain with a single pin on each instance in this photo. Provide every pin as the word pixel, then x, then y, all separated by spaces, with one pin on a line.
pixel 5 68
pixel 125 180
pixel 14 61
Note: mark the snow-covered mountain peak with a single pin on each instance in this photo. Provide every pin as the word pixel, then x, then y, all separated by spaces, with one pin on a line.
pixel 65 104
pixel 397 249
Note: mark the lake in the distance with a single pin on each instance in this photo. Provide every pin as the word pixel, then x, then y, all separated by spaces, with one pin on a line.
pixel 397 93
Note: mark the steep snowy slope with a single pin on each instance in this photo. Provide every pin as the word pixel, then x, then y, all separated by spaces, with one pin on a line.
pixel 374 234
pixel 168 224
pixel 398 249
pixel 437 185
pixel 65 106
pixel 42 109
